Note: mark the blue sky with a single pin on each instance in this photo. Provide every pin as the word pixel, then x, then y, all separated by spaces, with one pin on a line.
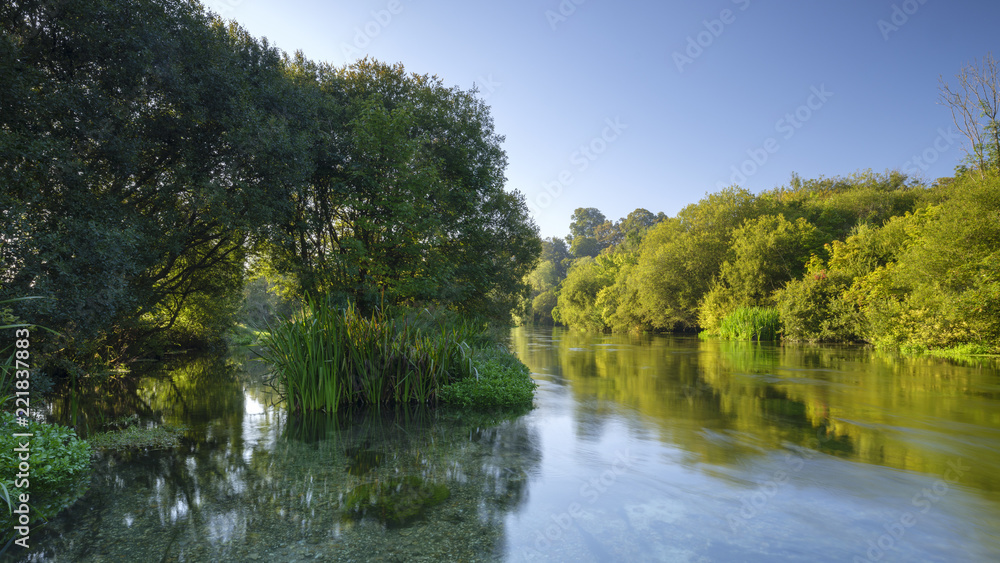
pixel 618 105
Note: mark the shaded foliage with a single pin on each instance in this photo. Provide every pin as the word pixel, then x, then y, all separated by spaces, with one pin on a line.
pixel 150 151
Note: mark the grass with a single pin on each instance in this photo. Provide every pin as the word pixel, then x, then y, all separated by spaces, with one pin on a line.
pixel 963 351
pixel 326 357
pixel 751 323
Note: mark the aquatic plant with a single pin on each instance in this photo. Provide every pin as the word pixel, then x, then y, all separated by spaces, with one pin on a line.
pixel 327 356
pixel 502 382
pixel 395 502
pixel 127 434
pixel 60 468
pixel 751 323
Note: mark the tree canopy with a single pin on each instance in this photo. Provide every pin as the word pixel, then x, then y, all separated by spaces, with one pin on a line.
pixel 149 152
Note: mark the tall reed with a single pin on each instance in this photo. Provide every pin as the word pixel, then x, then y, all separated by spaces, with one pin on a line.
pixel 751 323
pixel 326 356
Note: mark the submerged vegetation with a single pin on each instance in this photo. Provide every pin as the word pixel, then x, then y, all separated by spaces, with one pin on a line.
pixel 395 502
pixel 127 434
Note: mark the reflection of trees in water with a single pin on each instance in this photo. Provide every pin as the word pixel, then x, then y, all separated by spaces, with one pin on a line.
pixel 440 448
pixel 908 413
pixel 266 482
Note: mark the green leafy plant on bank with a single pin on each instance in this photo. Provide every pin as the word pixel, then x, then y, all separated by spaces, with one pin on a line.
pixel 503 383
pixel 59 468
pixel 751 323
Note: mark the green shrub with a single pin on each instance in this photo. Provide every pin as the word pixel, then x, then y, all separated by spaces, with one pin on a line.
pixel 813 309
pixel 502 381
pixel 751 323
pixel 59 468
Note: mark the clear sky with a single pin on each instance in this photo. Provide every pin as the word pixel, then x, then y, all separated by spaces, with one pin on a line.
pixel 625 104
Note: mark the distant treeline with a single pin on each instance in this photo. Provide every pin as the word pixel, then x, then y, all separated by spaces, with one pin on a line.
pixel 877 258
pixel 153 158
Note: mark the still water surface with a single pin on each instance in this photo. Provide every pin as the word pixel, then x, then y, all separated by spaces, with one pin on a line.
pixel 650 448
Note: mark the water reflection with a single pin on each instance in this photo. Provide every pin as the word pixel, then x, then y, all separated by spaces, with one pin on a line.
pixel 763 452
pixel 640 448
pixel 252 483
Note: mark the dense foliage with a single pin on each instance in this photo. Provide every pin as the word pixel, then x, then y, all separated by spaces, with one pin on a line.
pixel 150 152
pixel 59 472
pixel 871 257
pixel 501 381
pixel 327 357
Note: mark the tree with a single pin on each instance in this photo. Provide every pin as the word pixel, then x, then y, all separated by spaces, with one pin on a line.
pixel 407 201
pixel 679 257
pixel 147 145
pixel 586 221
pixel 554 250
pixel 975 107
pixel 634 226
pixel 578 294
pixel 766 253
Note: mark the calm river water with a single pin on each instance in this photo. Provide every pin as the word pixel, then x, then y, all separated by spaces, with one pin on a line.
pixel 651 448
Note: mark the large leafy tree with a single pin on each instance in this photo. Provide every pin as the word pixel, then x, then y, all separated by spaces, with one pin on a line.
pixel 587 225
pixel 144 145
pixel 766 253
pixel 679 257
pixel 407 202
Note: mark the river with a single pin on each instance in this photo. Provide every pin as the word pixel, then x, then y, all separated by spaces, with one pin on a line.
pixel 639 448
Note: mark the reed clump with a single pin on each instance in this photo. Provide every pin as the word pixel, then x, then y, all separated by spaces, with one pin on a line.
pixel 751 323
pixel 328 356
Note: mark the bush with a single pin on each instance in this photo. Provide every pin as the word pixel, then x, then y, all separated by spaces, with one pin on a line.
pixel 500 380
pixel 812 309
pixel 60 468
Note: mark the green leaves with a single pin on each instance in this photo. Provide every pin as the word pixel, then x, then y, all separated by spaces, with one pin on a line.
pixel 151 151
pixel 328 356
pixel 60 467
pixel 406 203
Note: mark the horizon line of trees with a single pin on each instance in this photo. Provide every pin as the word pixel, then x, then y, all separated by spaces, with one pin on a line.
pixel 872 257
